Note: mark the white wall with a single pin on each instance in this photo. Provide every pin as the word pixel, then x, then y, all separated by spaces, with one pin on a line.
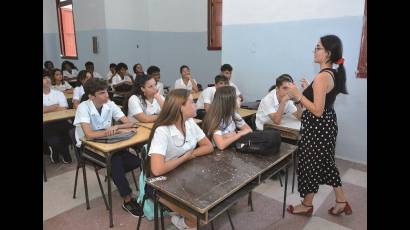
pixel 263 11
pixel 49 16
pixel 89 15
pixel 126 14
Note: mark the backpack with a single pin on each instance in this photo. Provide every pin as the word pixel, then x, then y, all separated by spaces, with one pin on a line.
pixel 264 142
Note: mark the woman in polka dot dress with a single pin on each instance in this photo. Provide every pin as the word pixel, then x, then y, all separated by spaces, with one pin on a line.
pixel 316 150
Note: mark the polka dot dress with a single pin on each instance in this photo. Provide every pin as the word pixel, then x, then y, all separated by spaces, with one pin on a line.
pixel 316 149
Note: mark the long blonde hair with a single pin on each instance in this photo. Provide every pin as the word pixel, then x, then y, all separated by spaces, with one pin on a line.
pixel 221 110
pixel 171 111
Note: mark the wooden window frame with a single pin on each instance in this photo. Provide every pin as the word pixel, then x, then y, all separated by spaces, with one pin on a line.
pixel 361 71
pixel 211 27
pixel 60 29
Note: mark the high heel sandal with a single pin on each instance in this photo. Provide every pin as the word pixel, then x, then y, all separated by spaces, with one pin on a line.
pixel 347 209
pixel 308 212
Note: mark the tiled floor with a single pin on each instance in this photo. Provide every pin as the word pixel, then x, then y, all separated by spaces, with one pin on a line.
pixel 61 211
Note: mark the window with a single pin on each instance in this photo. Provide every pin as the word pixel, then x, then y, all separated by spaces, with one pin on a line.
pixel 214 24
pixel 362 66
pixel 66 29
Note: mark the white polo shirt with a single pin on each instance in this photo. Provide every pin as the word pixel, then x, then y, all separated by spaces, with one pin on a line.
pixel 231 126
pixel 117 79
pixel 108 75
pixel 62 87
pixel 73 73
pixel 87 113
pixel 160 87
pixel 169 141
pixel 78 93
pixel 236 88
pixel 54 97
pixel 179 84
pixel 97 75
pixel 268 105
pixel 206 96
pixel 135 107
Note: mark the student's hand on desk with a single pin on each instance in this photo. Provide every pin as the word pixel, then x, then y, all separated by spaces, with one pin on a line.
pixel 126 130
pixel 111 130
pixel 189 155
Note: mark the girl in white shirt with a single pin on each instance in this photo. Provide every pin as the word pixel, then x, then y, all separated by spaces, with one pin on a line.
pixel 121 78
pixel 58 83
pixel 70 71
pixel 173 141
pixel 82 77
pixel 221 121
pixel 145 102
pixel 186 81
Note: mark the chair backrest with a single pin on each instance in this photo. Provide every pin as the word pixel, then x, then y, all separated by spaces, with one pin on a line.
pixel 71 133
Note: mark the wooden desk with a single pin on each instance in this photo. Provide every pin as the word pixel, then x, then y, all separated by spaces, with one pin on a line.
pixel 225 177
pixel 58 115
pixel 108 150
pixel 288 128
pixel 246 112
pixel 149 125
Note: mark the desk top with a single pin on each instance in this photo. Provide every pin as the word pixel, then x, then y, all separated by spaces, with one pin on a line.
pixel 150 125
pixel 206 181
pixel 288 123
pixel 246 112
pixel 141 137
pixel 58 115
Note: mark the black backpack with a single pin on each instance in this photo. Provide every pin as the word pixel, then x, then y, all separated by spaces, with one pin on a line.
pixel 265 142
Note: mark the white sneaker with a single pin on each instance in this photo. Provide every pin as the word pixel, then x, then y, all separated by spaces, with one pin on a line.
pixel 179 222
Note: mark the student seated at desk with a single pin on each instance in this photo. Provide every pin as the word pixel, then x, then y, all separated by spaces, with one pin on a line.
pixel 174 139
pixel 58 83
pixel 48 66
pixel 70 71
pixel 55 133
pixel 226 70
pixel 82 77
pixel 221 121
pixel 111 73
pixel 155 72
pixel 145 102
pixel 186 81
pixel 89 66
pixel 206 96
pixel 121 78
pixel 138 73
pixel 276 104
pixel 93 119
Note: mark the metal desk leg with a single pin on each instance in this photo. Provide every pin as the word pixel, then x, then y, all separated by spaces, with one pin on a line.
pixel 108 163
pixel 142 207
pixel 162 218
pixel 156 224
pixel 197 222
pixel 294 171
pixel 230 220
pixel 250 203
pixel 85 185
pixel 286 187
pixel 44 170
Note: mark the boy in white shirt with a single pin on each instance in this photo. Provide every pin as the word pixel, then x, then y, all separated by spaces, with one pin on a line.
pixel 155 72
pixel 226 70
pixel 207 95
pixel 276 104
pixel 111 73
pixel 186 81
pixel 93 119
pixel 78 93
pixel 55 133
pixel 89 66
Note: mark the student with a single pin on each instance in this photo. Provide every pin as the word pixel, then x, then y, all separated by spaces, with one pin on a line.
pixel 221 121
pixel 138 73
pixel 206 96
pixel 155 72
pixel 276 104
pixel 93 119
pixel 111 73
pixel 186 81
pixel 89 66
pixel 55 133
pixel 58 82
pixel 316 148
pixel 226 70
pixel 121 78
pixel 48 66
pixel 69 70
pixel 174 139
pixel 82 77
pixel 145 102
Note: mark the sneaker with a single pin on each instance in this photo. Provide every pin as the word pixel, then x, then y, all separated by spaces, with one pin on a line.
pixel 66 158
pixel 53 156
pixel 131 208
pixel 179 222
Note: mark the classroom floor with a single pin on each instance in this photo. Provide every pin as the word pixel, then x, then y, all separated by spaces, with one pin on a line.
pixel 61 211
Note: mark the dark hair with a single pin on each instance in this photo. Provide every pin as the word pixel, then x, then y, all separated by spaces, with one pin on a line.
pixel 113 65
pixel 53 80
pixel 93 85
pixel 82 75
pixel 334 45
pixel 137 91
pixel 280 80
pixel 226 67
pixel 221 110
pixel 120 66
pixel 89 63
pixel 152 69
pixel 219 78
pixel 48 62
pixel 134 68
pixel 182 67
pixel 68 62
